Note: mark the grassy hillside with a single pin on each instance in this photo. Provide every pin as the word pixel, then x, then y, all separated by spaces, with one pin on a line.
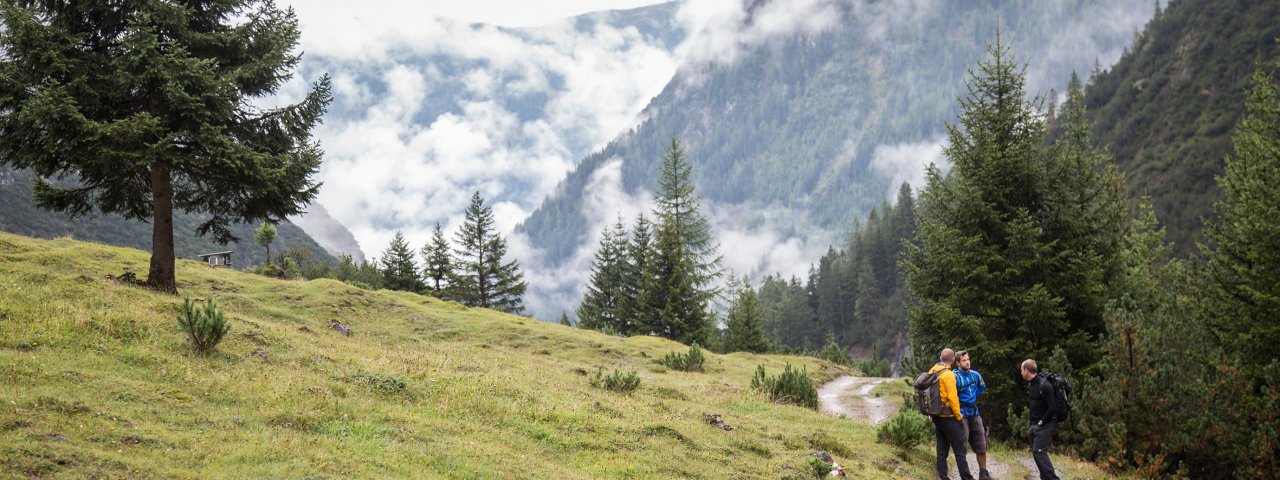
pixel 96 381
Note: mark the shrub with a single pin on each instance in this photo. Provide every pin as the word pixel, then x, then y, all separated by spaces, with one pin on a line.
pixel 269 270
pixel 685 362
pixel 204 327
pixel 791 386
pixel 876 366
pixel 616 381
pixel 905 430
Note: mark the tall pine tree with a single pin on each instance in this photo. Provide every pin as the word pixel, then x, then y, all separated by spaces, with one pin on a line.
pixel 483 279
pixel 143 107
pixel 679 282
pixel 1017 243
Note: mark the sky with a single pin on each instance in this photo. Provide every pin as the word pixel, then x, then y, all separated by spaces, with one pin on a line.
pixel 403 14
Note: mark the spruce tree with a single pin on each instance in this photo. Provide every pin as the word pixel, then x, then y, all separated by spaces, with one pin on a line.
pixel 1016 246
pixel 437 264
pixel 483 279
pixel 743 331
pixel 399 272
pixel 633 307
pixel 1243 246
pixel 138 108
pixel 601 307
pixel 679 282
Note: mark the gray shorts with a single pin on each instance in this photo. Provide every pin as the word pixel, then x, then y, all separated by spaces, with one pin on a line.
pixel 976 433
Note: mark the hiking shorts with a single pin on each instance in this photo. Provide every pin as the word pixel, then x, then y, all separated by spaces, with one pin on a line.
pixel 976 433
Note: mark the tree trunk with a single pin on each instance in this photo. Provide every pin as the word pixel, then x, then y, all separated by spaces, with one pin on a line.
pixel 162 275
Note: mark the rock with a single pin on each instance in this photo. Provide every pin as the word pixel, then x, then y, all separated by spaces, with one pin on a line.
pixel 341 328
pixel 714 419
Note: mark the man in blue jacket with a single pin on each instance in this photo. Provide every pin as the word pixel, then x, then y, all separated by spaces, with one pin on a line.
pixel 970 385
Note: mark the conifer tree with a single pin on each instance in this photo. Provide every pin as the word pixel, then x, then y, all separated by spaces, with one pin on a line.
pixel 483 279
pixel 680 275
pixel 743 330
pixel 1017 244
pixel 1244 243
pixel 564 319
pixel 633 306
pixel 399 272
pixel 601 307
pixel 437 264
pixel 139 108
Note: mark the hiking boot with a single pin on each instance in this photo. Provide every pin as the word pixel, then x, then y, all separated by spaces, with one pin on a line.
pixel 984 475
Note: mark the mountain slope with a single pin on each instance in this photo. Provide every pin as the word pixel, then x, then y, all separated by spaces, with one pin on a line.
pixel 18 215
pixel 1167 109
pixel 805 130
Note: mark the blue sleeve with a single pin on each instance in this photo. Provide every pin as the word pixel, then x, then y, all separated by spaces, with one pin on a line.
pixel 982 385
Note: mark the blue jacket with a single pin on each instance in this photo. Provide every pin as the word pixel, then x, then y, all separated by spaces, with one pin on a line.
pixel 970 385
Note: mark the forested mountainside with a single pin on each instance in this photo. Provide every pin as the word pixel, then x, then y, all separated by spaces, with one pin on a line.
pixel 796 122
pixel 1167 109
pixel 18 215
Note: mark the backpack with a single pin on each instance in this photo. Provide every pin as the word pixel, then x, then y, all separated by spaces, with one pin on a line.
pixel 929 394
pixel 1061 393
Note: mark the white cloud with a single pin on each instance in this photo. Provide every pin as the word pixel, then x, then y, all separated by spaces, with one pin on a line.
pixel 906 162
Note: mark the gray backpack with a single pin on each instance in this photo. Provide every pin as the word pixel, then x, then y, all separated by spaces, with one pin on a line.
pixel 929 394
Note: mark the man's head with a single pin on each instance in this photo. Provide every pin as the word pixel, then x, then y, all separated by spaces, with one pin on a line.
pixel 962 357
pixel 947 356
pixel 1029 369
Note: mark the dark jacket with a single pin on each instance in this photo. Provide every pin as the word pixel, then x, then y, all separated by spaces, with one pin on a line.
pixel 1043 404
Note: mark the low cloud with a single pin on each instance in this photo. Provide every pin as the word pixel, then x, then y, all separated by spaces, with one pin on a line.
pixel 907 162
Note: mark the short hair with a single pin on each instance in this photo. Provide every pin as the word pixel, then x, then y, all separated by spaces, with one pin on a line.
pixel 962 354
pixel 1030 366
pixel 947 355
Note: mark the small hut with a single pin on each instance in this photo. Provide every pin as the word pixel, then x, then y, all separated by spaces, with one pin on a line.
pixel 217 260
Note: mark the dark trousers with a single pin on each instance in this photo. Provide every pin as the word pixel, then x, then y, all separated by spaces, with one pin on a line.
pixel 949 433
pixel 1040 437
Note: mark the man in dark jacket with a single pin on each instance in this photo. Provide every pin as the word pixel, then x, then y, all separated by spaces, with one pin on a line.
pixel 1044 417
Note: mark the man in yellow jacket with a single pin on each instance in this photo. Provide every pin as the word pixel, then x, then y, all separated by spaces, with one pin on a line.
pixel 948 430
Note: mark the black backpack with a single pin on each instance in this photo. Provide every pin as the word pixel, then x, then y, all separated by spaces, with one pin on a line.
pixel 929 394
pixel 1061 393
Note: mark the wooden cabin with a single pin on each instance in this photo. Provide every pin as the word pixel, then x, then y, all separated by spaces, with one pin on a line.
pixel 217 260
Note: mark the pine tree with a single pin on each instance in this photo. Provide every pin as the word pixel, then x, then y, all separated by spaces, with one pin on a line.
pixel 743 330
pixel 1017 244
pixel 143 107
pixel 264 235
pixel 564 319
pixel 679 282
pixel 483 279
pixel 399 272
pixel 601 307
pixel 633 307
pixel 1244 243
pixel 437 264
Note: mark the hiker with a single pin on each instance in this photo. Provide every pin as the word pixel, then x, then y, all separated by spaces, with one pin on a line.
pixel 1043 416
pixel 948 428
pixel 970 385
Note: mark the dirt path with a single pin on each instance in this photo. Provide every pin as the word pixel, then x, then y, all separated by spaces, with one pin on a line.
pixel 850 397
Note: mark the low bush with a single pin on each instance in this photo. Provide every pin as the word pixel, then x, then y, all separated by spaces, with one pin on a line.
pixel 792 386
pixel 905 430
pixel 616 381
pixel 686 362
pixel 876 366
pixel 204 327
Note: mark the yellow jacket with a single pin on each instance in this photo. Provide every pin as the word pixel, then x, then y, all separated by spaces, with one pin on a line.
pixel 947 388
